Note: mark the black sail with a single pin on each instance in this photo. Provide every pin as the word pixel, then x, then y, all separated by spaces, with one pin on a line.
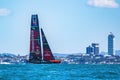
pixel 47 53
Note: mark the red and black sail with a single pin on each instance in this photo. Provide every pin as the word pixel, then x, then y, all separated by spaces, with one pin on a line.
pixel 35 42
pixel 40 51
pixel 47 53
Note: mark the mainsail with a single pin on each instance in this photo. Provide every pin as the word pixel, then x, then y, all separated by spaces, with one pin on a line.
pixel 47 54
pixel 35 43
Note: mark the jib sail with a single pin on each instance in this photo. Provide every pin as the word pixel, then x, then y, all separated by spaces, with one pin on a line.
pixel 47 54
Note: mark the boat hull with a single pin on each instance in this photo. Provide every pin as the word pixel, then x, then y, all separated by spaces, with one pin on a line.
pixel 47 62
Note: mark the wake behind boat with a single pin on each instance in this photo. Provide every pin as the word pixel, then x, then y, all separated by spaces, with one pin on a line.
pixel 40 52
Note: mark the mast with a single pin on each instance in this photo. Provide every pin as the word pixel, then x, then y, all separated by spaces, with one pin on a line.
pixel 47 53
pixel 35 41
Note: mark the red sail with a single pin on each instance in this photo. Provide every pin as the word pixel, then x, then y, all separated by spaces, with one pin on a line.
pixel 47 54
pixel 35 44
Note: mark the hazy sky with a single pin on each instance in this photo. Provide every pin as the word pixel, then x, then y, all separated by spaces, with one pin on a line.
pixel 69 25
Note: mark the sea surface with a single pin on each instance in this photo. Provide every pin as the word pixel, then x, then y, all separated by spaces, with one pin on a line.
pixel 59 72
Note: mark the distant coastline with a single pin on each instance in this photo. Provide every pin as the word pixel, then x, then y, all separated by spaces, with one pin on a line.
pixel 8 58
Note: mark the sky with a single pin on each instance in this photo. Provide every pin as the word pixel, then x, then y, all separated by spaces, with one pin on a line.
pixel 69 25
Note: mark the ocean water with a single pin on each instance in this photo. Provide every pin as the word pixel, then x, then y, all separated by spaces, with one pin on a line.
pixel 59 72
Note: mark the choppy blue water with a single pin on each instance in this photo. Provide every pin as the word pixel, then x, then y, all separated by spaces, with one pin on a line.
pixel 59 72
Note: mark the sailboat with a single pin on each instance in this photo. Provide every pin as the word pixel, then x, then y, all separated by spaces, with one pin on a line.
pixel 40 52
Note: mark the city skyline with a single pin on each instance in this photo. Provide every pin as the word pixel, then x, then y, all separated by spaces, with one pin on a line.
pixel 70 26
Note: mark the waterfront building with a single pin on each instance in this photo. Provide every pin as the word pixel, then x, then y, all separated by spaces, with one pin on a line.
pixel 95 48
pixel 89 50
pixel 111 44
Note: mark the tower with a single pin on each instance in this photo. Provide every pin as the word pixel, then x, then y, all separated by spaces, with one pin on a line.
pixel 111 44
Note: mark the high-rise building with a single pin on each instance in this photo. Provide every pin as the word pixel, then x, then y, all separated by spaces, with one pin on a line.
pixel 89 50
pixel 111 44
pixel 95 48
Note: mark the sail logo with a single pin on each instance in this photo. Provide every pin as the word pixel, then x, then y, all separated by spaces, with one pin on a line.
pixel 32 35
pixel 34 23
pixel 47 54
